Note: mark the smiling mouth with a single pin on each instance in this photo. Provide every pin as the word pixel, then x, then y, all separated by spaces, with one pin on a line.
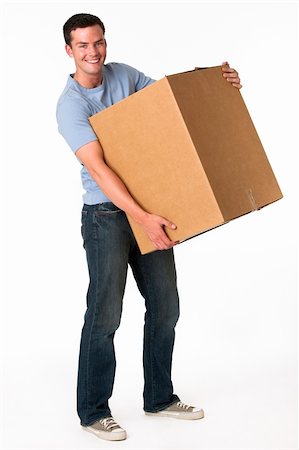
pixel 93 61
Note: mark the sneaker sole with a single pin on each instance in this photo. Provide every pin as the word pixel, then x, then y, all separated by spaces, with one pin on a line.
pixel 107 435
pixel 183 416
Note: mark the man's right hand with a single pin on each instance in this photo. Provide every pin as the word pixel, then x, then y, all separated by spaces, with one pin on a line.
pixel 92 156
pixel 153 226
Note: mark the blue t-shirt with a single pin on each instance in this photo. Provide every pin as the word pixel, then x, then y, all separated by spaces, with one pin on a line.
pixel 76 104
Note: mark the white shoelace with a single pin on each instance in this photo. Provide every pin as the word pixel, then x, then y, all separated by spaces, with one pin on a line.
pixel 109 423
pixel 183 405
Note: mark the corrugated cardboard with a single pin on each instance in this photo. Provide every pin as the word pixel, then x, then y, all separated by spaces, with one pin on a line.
pixel 187 150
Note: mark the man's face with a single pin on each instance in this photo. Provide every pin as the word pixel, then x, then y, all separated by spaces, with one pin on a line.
pixel 88 48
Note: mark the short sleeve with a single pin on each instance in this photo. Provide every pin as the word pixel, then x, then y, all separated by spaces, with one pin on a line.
pixel 143 81
pixel 140 79
pixel 73 125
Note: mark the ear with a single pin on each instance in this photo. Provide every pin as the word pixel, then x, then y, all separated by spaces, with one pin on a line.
pixel 69 50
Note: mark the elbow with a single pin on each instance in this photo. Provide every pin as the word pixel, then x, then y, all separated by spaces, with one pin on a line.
pixel 94 173
pixel 97 173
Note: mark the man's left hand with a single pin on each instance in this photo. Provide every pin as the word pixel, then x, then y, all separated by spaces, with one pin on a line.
pixel 231 75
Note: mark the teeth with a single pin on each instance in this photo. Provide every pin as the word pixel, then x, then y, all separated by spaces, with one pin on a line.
pixel 93 61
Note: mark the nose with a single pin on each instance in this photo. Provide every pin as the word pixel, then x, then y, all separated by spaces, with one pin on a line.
pixel 93 51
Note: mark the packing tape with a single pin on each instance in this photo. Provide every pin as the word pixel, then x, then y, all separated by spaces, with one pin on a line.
pixel 252 201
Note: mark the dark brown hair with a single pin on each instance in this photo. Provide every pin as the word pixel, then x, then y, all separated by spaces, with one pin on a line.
pixel 80 21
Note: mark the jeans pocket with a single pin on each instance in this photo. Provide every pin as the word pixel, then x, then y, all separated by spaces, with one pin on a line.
pixel 106 209
pixel 83 223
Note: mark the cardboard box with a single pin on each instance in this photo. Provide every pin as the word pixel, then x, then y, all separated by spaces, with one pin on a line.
pixel 186 149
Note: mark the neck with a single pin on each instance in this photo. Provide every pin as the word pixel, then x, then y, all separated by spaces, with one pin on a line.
pixel 89 81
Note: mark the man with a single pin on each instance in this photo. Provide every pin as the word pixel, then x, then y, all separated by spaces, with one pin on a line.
pixel 110 245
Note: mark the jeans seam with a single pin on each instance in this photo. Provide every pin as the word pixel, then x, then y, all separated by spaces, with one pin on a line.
pixel 148 307
pixel 89 338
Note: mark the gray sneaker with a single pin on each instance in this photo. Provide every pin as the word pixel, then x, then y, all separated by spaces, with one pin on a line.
pixel 107 428
pixel 179 411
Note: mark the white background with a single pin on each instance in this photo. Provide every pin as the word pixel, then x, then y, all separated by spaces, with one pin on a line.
pixel 235 352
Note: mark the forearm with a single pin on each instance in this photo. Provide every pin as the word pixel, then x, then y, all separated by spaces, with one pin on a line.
pixel 91 156
pixel 114 188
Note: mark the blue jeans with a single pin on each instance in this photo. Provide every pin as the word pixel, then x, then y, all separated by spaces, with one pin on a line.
pixel 110 246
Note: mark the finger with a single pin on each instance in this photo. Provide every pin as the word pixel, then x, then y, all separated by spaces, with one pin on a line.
pixel 165 245
pixel 225 63
pixel 168 243
pixel 169 224
pixel 234 75
pixel 172 244
pixel 237 85
pixel 233 80
pixel 161 240
pixel 157 245
pixel 230 73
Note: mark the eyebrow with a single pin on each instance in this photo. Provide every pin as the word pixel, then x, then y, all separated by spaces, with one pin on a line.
pixel 81 42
